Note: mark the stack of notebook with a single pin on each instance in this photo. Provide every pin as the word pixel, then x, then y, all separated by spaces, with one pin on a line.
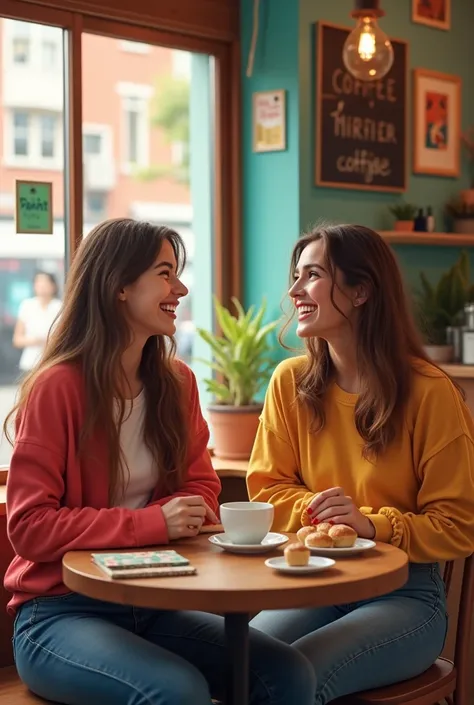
pixel 143 564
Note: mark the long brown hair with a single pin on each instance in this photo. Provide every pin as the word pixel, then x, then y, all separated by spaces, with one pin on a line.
pixel 92 333
pixel 388 342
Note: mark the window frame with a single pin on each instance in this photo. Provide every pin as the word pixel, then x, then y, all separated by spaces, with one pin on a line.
pixel 185 28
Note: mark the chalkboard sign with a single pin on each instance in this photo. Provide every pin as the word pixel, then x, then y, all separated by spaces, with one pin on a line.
pixel 361 126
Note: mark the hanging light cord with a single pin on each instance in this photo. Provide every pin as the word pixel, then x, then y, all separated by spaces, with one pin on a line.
pixel 253 43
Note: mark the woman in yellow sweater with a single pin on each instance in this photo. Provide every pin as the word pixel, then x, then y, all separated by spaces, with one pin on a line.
pixel 384 436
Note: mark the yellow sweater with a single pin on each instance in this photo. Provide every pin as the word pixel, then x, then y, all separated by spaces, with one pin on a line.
pixel 419 494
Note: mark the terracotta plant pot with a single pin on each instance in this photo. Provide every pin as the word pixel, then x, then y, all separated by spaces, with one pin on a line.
pixel 463 226
pixel 440 354
pixel 467 196
pixel 404 226
pixel 234 429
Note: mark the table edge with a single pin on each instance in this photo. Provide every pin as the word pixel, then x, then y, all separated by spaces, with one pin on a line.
pixel 238 600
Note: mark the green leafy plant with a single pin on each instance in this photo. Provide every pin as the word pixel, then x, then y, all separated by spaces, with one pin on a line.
pixel 241 355
pixel 441 305
pixel 403 211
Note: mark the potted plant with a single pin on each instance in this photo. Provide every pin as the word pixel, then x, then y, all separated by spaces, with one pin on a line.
pixel 242 363
pixel 441 306
pixel 404 216
pixel 462 215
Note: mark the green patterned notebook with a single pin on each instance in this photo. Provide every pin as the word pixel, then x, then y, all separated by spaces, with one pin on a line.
pixel 143 564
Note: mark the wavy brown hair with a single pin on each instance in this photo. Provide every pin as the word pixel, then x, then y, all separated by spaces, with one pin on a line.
pixel 388 342
pixel 91 332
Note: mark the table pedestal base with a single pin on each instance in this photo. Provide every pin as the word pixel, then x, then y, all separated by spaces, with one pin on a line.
pixel 237 640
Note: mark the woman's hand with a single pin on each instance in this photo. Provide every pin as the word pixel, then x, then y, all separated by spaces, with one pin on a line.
pixel 184 516
pixel 334 506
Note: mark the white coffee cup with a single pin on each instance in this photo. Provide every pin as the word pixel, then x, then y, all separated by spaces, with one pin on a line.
pixel 246 522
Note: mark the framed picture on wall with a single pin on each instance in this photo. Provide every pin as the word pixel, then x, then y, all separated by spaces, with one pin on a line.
pixel 269 121
pixel 434 13
pixel 437 123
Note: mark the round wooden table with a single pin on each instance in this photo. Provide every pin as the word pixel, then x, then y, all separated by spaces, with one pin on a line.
pixel 239 585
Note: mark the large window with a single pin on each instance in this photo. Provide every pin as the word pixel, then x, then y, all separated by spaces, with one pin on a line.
pixel 145 106
pixel 138 116
pixel 31 116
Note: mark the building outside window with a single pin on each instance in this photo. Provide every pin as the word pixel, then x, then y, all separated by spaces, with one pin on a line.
pixel 21 133
pixel 21 50
pixel 135 100
pixel 92 143
pixel 21 42
pixel 95 207
pixel 49 51
pixel 33 139
pixel 132 119
pixel 48 135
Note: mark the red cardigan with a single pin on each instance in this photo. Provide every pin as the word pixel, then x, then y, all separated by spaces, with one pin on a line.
pixel 57 501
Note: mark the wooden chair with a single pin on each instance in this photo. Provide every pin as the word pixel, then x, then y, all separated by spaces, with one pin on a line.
pixel 445 680
pixel 13 692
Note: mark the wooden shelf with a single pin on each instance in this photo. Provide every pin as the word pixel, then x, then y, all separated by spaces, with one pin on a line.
pixel 459 371
pixel 414 238
pixel 230 468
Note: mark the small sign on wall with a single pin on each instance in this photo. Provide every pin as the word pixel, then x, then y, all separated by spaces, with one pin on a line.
pixel 34 207
pixel 269 121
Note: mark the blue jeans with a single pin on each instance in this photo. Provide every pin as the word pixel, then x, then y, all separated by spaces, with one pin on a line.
pixel 368 644
pixel 75 650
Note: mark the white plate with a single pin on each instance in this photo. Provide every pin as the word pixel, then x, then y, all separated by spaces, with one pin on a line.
pixel 315 565
pixel 359 546
pixel 270 542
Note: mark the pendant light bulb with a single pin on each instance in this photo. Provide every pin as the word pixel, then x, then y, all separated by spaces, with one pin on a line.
pixel 368 52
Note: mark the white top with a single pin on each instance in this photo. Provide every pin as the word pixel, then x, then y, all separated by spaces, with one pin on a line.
pixel 37 321
pixel 142 475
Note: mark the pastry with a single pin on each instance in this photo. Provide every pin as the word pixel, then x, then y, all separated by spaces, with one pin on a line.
pixel 317 540
pixel 305 517
pixel 323 527
pixel 305 531
pixel 297 554
pixel 342 535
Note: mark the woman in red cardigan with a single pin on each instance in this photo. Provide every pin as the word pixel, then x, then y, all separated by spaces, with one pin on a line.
pixel 111 452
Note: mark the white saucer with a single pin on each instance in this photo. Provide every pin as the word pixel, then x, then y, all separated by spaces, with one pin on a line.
pixel 270 542
pixel 315 565
pixel 359 546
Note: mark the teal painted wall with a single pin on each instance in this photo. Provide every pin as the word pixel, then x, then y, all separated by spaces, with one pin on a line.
pixel 271 219
pixel 274 182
